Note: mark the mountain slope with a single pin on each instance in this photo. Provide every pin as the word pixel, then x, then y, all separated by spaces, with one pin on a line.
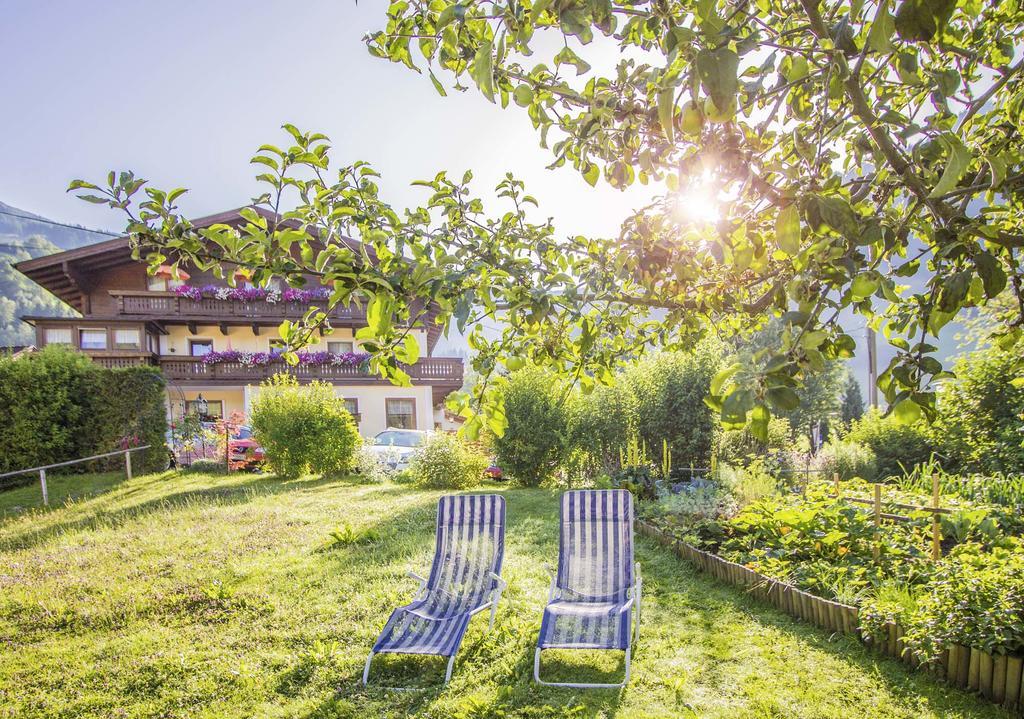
pixel 22 238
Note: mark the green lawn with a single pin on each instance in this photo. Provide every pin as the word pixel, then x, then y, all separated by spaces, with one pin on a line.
pixel 199 596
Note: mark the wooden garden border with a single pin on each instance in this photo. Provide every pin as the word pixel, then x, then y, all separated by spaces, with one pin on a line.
pixel 998 678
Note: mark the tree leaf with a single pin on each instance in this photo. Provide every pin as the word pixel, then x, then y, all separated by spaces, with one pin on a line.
pixel 787 229
pixel 956 165
pixel 882 29
pixel 922 20
pixel 907 411
pixel 482 70
pixel 666 112
pixel 717 72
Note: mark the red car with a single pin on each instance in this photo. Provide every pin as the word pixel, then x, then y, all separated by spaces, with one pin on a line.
pixel 494 472
pixel 246 453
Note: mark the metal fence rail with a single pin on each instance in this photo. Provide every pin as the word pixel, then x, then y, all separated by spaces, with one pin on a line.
pixel 42 470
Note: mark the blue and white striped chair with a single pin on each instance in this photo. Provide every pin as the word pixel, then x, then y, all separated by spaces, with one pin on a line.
pixel 594 600
pixel 464 580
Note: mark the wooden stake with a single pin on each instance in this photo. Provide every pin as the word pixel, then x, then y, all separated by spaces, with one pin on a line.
pixel 877 550
pixel 42 482
pixel 1014 666
pixel 128 464
pixel 999 679
pixel 835 483
pixel 936 525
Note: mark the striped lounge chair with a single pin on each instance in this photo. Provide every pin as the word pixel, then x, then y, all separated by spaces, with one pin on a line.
pixel 464 580
pixel 594 600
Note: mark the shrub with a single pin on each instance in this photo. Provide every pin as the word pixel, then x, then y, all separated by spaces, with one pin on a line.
pixel 207 466
pixel 896 446
pixel 747 485
pixel 444 461
pixel 535 441
pixel 670 389
pixel 59 405
pixel 698 504
pixel 600 425
pixel 848 459
pixel 739 447
pixel 369 465
pixel 303 428
pixel 980 427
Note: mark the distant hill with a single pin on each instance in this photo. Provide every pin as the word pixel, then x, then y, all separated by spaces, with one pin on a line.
pixel 22 238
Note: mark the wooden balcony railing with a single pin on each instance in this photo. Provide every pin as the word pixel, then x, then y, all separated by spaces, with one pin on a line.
pixel 429 370
pixel 168 305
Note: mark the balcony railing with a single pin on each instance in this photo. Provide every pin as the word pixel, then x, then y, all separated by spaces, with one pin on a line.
pixel 429 370
pixel 168 305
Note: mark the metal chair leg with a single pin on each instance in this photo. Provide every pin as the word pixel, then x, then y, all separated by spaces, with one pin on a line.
pixel 366 669
pixel 448 673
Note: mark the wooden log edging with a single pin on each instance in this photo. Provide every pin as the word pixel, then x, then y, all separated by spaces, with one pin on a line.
pixel 998 678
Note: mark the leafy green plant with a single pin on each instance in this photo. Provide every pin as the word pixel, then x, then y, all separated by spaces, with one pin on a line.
pixel 848 459
pixel 897 446
pixel 444 461
pixel 535 441
pixel 347 535
pixel 747 485
pixel 303 428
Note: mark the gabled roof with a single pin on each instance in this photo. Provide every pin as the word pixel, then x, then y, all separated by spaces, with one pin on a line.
pixel 69 274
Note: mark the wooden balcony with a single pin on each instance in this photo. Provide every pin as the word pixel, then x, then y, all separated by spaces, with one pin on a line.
pixel 168 306
pixel 444 372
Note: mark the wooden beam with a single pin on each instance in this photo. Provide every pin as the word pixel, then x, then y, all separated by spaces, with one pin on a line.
pixel 223 328
pixel 192 327
pixel 256 329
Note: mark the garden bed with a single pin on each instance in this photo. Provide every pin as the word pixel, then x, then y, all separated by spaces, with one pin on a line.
pixel 997 677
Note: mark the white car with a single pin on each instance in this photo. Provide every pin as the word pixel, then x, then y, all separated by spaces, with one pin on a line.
pixel 395 447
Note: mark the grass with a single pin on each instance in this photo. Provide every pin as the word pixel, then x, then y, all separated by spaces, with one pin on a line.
pixel 184 595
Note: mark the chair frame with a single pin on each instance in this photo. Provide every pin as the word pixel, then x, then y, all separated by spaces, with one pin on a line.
pixel 635 594
pixel 491 603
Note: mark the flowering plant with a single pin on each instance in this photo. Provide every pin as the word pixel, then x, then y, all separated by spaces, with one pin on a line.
pixel 253 294
pixel 260 359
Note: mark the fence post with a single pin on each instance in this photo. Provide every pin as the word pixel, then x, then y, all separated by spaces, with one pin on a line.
pixel 42 482
pixel 936 525
pixel 835 482
pixel 128 463
pixel 877 551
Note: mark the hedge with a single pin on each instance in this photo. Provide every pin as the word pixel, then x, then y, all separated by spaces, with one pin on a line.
pixel 57 405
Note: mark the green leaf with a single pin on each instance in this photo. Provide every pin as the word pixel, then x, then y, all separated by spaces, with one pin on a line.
pixel 717 72
pixel 785 398
pixel 956 165
pixel 666 112
pixel 566 56
pixel 787 229
pixel 882 29
pixel 719 380
pixel 482 70
pixel 863 286
pixel 907 411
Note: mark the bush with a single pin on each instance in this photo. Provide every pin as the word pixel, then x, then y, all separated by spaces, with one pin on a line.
pixel 444 461
pixel 369 465
pixel 536 438
pixel 670 389
pixel 739 447
pixel 747 485
pixel 980 427
pixel 206 466
pixel 895 446
pixel 303 428
pixel 59 405
pixel 848 459
pixel 600 425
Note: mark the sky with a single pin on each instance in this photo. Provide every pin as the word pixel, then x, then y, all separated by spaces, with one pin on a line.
pixel 183 93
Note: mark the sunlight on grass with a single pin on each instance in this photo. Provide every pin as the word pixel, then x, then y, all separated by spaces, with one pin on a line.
pixel 212 596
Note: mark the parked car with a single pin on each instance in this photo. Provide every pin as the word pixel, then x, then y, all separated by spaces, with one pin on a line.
pixel 246 452
pixel 395 447
pixel 494 472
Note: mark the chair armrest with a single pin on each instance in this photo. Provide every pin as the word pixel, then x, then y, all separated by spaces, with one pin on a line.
pixel 638 579
pixel 553 588
pixel 502 584
pixel 413 575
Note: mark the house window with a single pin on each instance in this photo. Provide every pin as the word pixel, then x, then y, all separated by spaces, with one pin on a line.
pixel 340 347
pixel 92 339
pixel 214 409
pixel 58 335
pixel 126 339
pixel 199 348
pixel 162 284
pixel 352 407
pixel 401 413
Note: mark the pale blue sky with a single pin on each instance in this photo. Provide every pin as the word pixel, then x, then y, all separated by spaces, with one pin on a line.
pixel 184 92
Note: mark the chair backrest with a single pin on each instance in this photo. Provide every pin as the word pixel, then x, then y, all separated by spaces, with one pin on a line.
pixel 595 553
pixel 470 545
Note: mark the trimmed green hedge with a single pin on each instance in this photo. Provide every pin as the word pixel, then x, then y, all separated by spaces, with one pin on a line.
pixel 58 405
